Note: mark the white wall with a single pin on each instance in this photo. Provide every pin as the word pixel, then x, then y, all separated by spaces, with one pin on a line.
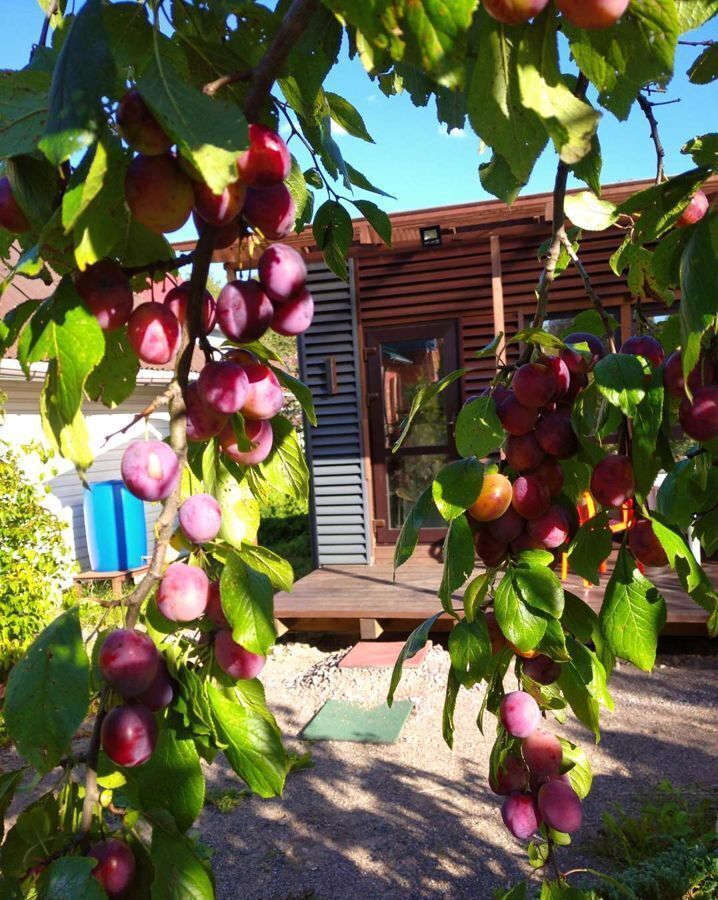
pixel 22 425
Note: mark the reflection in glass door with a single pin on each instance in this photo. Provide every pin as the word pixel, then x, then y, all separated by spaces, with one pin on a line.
pixel 400 362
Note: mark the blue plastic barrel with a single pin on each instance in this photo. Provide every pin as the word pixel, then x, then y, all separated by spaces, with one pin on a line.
pixel 115 527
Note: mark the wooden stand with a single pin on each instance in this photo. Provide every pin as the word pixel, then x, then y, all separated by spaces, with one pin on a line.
pixel 118 578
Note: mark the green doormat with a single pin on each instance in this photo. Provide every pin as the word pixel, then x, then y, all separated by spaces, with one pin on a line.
pixel 337 721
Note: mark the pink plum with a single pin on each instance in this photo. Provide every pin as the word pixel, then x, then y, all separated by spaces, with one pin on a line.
pixel 150 469
pixel 183 593
pixel 200 517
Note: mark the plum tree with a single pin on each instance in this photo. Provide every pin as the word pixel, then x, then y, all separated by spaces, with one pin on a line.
pixel 200 518
pixel 530 497
pixel 612 482
pixel 511 776
pixel 154 333
pixel 542 669
pixel 523 452
pixel 244 311
pixel 116 867
pixel 214 611
pixel 150 469
pixel 107 293
pixel 646 346
pixel 519 714
pixel 176 299
pixel 160 692
pixel 183 593
pixel 260 435
pixel 129 735
pixel 264 392
pixel 12 218
pixel 223 386
pixel 282 272
pixel 128 661
pixel 516 418
pixel 222 208
pixel 535 384
pixel 203 422
pixel 139 127
pixel 234 660
pixel 271 210
pixel 267 161
pixel 293 317
pixel 542 754
pixel 514 12
pixel 520 815
pixel 699 416
pixel 645 546
pixel 158 192
pixel 694 212
pixel 593 13
pixel 493 500
pixel 560 806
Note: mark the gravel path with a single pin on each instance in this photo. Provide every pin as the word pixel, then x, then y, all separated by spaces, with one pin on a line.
pixel 414 819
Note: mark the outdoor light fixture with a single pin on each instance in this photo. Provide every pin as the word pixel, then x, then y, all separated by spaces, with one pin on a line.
pixel 430 236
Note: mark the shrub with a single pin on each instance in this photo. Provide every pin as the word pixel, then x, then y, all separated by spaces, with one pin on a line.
pixel 285 529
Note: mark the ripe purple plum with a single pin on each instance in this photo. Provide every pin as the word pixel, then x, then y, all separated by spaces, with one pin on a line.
pixel 695 210
pixel 509 526
pixel 203 422
pixel 516 418
pixel 107 293
pixel 542 753
pixel 150 469
pixel 576 362
pixel 234 660
pixel 612 482
pixel 493 500
pixel 267 161
pixel 535 384
pixel 561 374
pixel 646 346
pixel 128 661
pixel 214 611
pixel 542 669
pixel 200 517
pixel 139 127
pixel 12 218
pixel 261 436
pixel 645 546
pixel 550 473
pixel 160 692
pixel 531 497
pixel 128 735
pixel 271 210
pixel 244 311
pixel 183 593
pixel 295 316
pixel 514 12
pixel 158 192
pixel 498 641
pixel 282 272
pixel 519 714
pixel 525 542
pixel 219 209
pixel 550 530
pixel 226 235
pixel 523 452
pixel 511 776
pixel 699 417
pixel 264 392
pixel 223 386
pixel 703 374
pixel 176 299
pixel 520 815
pixel 555 435
pixel 592 14
pixel 490 550
pixel 154 333
pixel 115 869
pixel 560 806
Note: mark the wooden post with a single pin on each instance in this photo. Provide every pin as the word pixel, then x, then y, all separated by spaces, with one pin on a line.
pixel 280 627
pixel 369 629
pixel 497 294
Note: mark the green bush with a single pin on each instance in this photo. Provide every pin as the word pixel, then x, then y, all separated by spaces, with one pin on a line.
pixel 285 529
pixel 34 559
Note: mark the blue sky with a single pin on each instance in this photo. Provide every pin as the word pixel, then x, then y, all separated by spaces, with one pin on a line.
pixel 417 161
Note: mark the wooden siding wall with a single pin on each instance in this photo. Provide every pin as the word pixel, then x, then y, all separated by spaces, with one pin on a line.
pixel 340 506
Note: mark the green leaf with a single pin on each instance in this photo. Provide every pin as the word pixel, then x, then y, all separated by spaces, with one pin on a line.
pixel 423 397
pixel 240 510
pixel 656 209
pixel 693 13
pixel 699 287
pixel 285 468
pixel 620 378
pixel 47 694
pixel 646 427
pixel 76 115
pixel 13 323
pixel 570 122
pixel 589 168
pixel 23 110
pixel 209 132
pixel 69 878
pixel 458 554
pixel 496 111
pixel 497 178
pixel 334 232
pixel 247 601
pixel 414 643
pixel 478 428
pixel 590 547
pixel 457 486
pixel 705 68
pixel 179 874
pixel 453 685
pixel 114 379
pixel 537 586
pixel 363 183
pixel 577 478
pixel 409 534
pixel 348 117
pixel 583 683
pixel 170 780
pixel 70 438
pixel 553 643
pixel 254 747
pixel 633 614
pixel 300 391
pixel 538 336
pixel 475 594
pixel 470 650
pixel 261 559
pixel 706 530
pixel 523 627
pixel 586 211
pixel 303 198
pixel 8 784
pixel 580 768
pixel 703 149
pixel 35 186
pixel 377 218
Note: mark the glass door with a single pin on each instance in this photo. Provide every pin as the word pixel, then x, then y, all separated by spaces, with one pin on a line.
pixel 400 361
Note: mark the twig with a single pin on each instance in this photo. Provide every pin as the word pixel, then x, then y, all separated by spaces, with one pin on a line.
pixel 315 159
pixel 617 884
pixel 161 265
pixel 647 108
pixel 591 291
pixel 93 753
pixel 42 40
pixel 265 73
pixel 212 87
pixel 160 401
pixel 697 43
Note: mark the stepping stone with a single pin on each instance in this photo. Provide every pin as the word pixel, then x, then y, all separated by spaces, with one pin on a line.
pixel 380 655
pixel 338 721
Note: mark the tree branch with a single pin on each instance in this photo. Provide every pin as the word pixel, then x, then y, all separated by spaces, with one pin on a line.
pixel 93 754
pixel 591 291
pixel 42 40
pixel 161 265
pixel 647 108
pixel 212 87
pixel 265 73
pixel 160 401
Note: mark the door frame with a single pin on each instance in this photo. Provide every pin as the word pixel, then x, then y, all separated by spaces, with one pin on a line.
pixel 449 329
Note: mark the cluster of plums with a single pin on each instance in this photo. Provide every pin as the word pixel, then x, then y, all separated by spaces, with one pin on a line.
pixel 581 13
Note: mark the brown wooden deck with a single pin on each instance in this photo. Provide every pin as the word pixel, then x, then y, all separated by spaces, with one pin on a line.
pixel 337 598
